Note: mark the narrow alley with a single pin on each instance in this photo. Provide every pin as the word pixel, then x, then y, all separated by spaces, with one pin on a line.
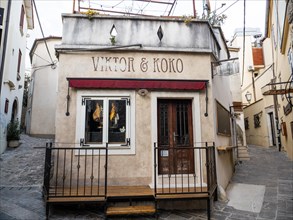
pixel 21 176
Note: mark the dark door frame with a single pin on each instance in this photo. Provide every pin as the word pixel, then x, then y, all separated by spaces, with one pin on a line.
pixel 175 136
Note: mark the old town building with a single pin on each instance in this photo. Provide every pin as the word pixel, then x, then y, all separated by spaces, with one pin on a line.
pixel 151 105
pixel 40 115
pixel 267 80
pixel 16 17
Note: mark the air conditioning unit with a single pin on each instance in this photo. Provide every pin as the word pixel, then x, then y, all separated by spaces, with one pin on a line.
pixel 250 68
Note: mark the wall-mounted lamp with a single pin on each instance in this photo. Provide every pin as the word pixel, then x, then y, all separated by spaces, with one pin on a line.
pixel 248 96
pixel 143 92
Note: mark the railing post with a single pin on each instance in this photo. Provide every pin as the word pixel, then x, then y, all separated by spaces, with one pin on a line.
pixel 215 169
pixel 208 181
pixel 47 168
pixel 207 167
pixel 155 168
pixel 106 170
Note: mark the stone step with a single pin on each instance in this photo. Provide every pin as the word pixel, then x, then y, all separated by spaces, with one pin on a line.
pixel 242 150
pixel 130 210
pixel 243 153
pixel 240 146
pixel 243 158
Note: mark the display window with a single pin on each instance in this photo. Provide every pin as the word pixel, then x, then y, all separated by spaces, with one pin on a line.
pixel 107 120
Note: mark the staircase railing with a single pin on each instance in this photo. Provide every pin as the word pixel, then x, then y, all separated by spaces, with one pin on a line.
pixel 75 172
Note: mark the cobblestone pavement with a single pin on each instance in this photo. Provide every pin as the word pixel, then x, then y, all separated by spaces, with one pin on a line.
pixel 24 165
pixel 21 175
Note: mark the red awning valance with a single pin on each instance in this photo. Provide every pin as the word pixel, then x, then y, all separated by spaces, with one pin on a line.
pixel 103 83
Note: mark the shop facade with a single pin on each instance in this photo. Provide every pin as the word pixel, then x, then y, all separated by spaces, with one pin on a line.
pixel 147 93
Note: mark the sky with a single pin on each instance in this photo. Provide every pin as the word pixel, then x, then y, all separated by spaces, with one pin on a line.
pixel 50 13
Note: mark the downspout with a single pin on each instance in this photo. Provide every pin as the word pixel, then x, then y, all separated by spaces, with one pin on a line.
pixel 253 86
pixel 5 43
pixel 279 143
pixel 275 99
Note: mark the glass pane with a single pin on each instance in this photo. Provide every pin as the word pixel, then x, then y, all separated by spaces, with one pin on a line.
pixel 94 121
pixel 182 124
pixel 117 121
pixel 164 126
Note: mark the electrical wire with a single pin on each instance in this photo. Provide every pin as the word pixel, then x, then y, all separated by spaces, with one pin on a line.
pixel 42 31
pixel 118 3
pixel 166 8
pixel 53 65
pixel 111 6
pixel 243 49
pixel 174 7
pixel 229 7
pixel 123 8
pixel 39 56
pixel 146 5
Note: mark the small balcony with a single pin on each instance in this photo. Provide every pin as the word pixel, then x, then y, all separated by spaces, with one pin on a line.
pixel 280 88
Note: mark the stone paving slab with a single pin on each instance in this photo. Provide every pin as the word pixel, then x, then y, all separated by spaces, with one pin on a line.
pixel 21 177
pixel 246 197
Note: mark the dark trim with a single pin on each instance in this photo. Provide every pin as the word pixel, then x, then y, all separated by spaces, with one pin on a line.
pixel 268 7
pixel 67 101
pixel 5 43
pixel 151 84
pixel 136 79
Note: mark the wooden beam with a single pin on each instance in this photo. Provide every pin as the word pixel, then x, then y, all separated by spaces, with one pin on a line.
pixel 131 210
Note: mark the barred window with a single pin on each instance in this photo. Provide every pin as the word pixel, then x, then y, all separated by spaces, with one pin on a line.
pixel 246 123
pixel 256 118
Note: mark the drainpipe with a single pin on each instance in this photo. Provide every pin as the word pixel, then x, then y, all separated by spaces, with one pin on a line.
pixel 253 86
pixel 5 43
pixel 279 145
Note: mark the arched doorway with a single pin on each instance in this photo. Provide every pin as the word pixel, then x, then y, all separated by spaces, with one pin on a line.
pixel 14 110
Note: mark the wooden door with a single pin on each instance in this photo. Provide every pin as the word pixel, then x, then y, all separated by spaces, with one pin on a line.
pixel 175 137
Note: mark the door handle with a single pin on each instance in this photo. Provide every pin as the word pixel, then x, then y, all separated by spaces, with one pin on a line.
pixel 174 136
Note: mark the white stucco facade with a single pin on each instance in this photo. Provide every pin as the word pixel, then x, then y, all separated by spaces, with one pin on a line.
pixel 138 55
pixel 40 116
pixel 12 60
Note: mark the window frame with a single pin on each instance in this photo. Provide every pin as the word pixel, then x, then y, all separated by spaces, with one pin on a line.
pixel 114 148
pixel 1 24
pixel 106 126
pixel 6 107
pixel 19 64
pixel 221 113
pixel 246 123
pixel 21 20
pixel 256 120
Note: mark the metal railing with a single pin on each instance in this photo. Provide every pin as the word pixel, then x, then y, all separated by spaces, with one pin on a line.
pixel 180 175
pixel 75 172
